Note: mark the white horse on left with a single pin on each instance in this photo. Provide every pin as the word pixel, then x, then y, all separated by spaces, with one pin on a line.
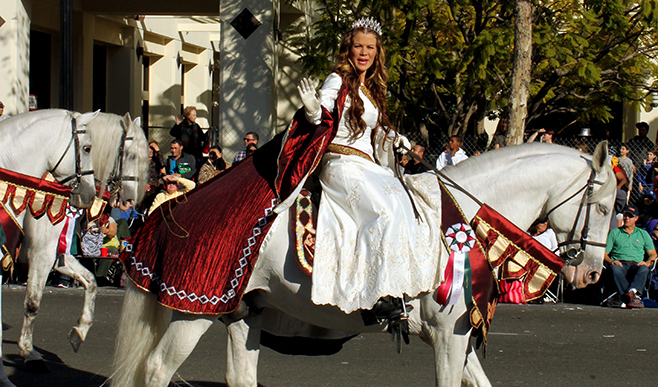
pixel 120 157
pixel 55 141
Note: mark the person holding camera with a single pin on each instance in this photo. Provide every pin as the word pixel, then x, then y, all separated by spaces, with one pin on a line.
pixel 213 166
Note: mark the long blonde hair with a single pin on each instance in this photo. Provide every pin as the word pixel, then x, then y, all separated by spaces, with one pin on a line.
pixel 376 78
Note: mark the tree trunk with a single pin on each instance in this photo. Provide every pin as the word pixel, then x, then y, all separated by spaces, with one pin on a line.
pixel 518 101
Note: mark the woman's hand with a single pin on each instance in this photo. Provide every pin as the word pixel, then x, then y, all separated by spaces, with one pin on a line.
pixel 402 144
pixel 179 119
pixel 309 99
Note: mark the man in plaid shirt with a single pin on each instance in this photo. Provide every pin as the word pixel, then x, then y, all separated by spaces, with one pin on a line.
pixel 250 138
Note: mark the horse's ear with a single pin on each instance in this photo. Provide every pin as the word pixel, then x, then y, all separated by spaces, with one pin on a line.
pixel 126 123
pixel 600 158
pixel 85 119
pixel 137 122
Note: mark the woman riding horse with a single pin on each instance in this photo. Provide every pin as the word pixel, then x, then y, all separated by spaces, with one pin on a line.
pixel 367 231
pixel 368 236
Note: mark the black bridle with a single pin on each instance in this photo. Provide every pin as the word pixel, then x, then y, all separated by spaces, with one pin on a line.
pixel 75 140
pixel 575 256
pixel 116 178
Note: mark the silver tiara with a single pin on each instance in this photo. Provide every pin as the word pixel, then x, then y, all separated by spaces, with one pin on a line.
pixel 369 23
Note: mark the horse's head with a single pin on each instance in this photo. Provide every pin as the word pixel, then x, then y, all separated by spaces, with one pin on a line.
pixel 131 170
pixel 580 217
pixel 74 166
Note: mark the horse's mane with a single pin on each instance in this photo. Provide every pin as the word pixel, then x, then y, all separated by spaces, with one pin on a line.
pixel 523 153
pixel 18 128
pixel 140 145
pixel 106 133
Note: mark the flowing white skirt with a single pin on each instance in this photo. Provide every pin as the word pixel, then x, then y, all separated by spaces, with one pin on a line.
pixel 369 244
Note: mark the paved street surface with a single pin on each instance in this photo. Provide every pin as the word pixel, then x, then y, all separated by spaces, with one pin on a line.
pixel 534 345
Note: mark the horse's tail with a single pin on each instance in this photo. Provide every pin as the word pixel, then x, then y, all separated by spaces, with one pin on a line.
pixel 142 324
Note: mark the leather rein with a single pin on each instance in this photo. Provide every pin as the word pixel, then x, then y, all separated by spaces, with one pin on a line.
pixel 116 178
pixel 75 140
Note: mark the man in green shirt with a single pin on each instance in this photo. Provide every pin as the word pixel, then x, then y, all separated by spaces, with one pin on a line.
pixel 624 253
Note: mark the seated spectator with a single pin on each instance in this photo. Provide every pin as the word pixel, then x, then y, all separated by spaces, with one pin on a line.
pixel 213 166
pixel 453 155
pixel 172 190
pixel 414 166
pixel 180 163
pixel 251 148
pixel 250 138
pixel 544 235
pixel 624 254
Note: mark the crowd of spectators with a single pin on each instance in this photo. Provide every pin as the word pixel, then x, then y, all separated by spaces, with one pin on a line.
pixel 634 163
pixel 633 236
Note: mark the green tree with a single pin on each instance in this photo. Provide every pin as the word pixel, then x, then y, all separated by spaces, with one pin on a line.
pixel 450 61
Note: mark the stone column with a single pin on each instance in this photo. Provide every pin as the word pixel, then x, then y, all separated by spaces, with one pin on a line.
pixel 246 91
pixel 14 56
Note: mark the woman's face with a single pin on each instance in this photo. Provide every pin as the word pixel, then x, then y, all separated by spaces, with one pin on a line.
pixel 651 156
pixel 363 52
pixel 192 116
pixel 542 227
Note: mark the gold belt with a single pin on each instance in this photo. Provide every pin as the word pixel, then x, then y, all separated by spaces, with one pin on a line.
pixel 346 150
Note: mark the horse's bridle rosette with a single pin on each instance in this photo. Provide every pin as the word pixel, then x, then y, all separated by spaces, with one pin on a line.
pixel 460 237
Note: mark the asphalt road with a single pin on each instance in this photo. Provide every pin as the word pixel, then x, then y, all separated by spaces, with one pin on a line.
pixel 534 345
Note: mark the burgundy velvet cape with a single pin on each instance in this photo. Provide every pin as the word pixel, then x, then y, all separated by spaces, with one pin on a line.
pixel 197 251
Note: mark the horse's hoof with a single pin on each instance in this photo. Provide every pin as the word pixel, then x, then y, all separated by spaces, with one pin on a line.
pixel 75 339
pixel 36 366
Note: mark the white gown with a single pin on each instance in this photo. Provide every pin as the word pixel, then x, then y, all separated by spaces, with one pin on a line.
pixel 369 243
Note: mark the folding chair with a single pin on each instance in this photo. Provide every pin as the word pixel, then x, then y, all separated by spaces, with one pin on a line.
pixel 645 290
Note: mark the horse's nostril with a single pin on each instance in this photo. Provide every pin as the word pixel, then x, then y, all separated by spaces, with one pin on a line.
pixel 594 277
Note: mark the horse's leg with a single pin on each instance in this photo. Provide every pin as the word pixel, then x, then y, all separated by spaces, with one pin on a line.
pixel 68 265
pixel 447 330
pixel 176 345
pixel 142 323
pixel 243 349
pixel 40 264
pixel 4 380
pixel 474 375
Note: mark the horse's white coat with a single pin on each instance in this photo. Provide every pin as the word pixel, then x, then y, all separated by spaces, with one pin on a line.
pixel 41 237
pixel 33 144
pixel 520 182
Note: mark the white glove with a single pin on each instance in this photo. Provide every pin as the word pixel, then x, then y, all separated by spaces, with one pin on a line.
pixel 309 98
pixel 402 144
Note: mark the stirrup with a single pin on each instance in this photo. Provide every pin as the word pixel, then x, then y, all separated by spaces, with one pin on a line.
pixel 393 311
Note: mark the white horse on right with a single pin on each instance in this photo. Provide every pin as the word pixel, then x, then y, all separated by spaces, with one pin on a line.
pixel 522 183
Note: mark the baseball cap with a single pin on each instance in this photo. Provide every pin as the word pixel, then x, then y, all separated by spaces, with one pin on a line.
pixel 631 209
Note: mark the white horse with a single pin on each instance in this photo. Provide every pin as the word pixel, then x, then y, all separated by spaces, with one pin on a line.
pixel 120 156
pixel 55 141
pixel 522 183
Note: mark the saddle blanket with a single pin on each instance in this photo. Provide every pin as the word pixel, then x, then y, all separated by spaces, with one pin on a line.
pixel 196 252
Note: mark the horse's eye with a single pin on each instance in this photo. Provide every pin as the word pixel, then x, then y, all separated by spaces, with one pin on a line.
pixel 87 148
pixel 604 209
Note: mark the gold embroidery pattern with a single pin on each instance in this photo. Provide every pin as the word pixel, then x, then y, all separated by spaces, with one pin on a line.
pixel 365 91
pixel 346 150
